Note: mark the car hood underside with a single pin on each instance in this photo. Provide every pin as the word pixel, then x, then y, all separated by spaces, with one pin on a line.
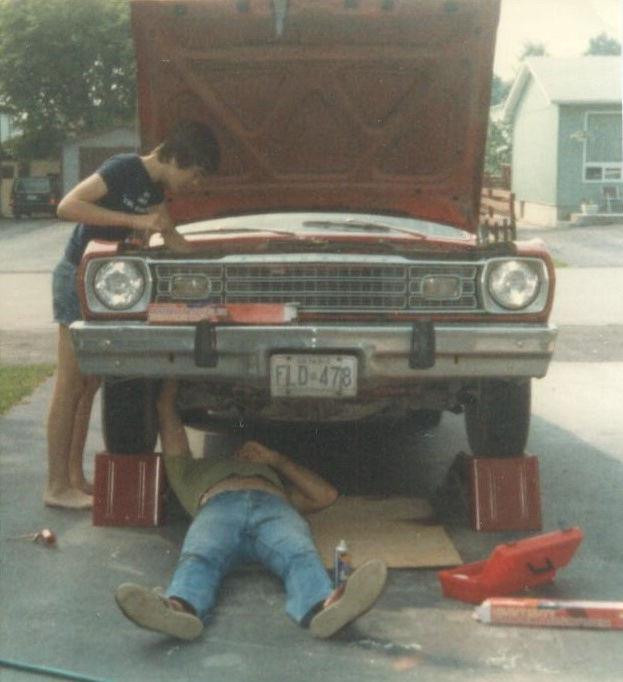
pixel 326 105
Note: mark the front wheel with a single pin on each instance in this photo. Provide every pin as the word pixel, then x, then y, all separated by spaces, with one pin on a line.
pixel 129 417
pixel 498 420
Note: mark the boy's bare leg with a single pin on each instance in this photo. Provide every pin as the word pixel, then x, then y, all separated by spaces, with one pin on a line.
pixel 79 435
pixel 173 436
pixel 68 391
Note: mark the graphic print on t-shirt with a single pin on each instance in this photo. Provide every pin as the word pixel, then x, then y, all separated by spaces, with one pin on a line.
pixel 139 204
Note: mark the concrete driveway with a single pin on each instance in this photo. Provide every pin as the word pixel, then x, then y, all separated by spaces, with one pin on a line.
pixel 29 250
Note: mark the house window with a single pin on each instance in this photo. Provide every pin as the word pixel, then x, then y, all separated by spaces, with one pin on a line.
pixel 603 147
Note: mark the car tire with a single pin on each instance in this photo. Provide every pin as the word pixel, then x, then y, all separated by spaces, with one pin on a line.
pixel 498 421
pixel 129 417
pixel 425 420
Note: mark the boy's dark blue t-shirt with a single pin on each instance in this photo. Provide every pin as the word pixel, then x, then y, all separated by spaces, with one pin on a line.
pixel 130 189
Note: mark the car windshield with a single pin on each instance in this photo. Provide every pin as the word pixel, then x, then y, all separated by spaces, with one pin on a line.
pixel 33 185
pixel 300 223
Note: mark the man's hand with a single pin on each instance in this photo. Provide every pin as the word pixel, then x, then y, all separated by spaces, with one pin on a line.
pixel 174 241
pixel 252 451
pixel 306 490
pixel 157 220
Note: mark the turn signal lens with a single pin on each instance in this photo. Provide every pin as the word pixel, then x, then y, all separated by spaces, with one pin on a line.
pixel 436 287
pixel 190 286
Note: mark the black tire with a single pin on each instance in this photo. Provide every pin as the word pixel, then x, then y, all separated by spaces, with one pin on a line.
pixel 499 421
pixel 129 417
pixel 425 420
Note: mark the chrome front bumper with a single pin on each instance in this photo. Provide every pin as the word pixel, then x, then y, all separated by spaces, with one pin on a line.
pixel 461 351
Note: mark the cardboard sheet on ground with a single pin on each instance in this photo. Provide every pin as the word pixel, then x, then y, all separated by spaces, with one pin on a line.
pixel 398 530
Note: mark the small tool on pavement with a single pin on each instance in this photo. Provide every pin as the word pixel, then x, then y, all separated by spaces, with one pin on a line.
pixel 45 536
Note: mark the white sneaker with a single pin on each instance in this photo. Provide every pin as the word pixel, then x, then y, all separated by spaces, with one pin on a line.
pixel 361 590
pixel 154 612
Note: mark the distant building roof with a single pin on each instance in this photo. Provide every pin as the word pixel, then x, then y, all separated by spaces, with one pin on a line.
pixel 572 80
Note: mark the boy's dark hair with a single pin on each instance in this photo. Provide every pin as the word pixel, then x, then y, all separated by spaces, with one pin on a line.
pixel 191 143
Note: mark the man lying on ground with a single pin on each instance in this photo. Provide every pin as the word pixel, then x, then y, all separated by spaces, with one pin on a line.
pixel 246 508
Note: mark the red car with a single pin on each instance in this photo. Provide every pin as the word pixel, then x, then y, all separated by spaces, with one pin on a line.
pixel 338 270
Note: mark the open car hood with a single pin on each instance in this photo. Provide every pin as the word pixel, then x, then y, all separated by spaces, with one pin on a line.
pixel 349 105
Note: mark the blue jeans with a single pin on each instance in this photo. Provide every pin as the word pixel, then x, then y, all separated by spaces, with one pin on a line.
pixel 239 526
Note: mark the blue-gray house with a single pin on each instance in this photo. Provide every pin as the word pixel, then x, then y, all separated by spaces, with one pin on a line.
pixel 567 142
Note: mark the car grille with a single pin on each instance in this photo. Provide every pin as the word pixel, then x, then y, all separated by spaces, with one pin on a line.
pixel 325 287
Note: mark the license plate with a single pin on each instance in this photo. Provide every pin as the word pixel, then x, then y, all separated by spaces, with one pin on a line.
pixel 313 376
pixel 31 197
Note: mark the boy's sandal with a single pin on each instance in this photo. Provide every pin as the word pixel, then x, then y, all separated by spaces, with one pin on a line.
pixel 361 590
pixel 148 609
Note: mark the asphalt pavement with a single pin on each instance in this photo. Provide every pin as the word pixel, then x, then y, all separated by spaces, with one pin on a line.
pixel 57 608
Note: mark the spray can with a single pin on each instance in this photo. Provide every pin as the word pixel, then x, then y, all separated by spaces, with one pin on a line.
pixel 342 564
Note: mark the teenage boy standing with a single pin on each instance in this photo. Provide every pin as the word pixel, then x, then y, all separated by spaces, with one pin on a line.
pixel 125 194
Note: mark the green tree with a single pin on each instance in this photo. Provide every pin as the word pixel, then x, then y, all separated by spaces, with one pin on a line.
pixel 499 90
pixel 498 151
pixel 531 49
pixel 66 67
pixel 603 44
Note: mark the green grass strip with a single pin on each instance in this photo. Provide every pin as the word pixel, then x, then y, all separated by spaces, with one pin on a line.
pixel 19 381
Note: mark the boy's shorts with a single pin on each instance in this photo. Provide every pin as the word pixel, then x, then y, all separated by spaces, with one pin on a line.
pixel 65 303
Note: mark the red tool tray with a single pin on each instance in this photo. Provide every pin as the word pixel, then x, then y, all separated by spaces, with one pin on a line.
pixel 129 490
pixel 512 567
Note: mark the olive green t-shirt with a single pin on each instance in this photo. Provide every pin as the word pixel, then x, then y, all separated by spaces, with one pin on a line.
pixel 190 478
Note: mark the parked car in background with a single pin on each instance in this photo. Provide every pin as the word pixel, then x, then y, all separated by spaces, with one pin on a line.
pixel 336 268
pixel 34 195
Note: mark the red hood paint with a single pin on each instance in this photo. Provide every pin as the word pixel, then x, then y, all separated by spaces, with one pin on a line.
pixel 349 105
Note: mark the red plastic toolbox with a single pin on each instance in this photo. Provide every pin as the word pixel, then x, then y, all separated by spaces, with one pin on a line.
pixel 504 493
pixel 129 490
pixel 512 567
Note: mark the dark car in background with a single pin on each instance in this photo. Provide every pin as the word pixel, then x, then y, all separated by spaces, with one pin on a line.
pixel 35 194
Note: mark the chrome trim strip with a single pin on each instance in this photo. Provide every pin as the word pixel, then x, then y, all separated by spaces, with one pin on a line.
pixel 139 349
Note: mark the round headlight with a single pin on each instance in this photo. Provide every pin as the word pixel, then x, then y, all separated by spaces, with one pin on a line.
pixel 513 284
pixel 119 284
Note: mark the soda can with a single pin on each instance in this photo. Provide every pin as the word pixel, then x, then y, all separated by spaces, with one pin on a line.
pixel 342 564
